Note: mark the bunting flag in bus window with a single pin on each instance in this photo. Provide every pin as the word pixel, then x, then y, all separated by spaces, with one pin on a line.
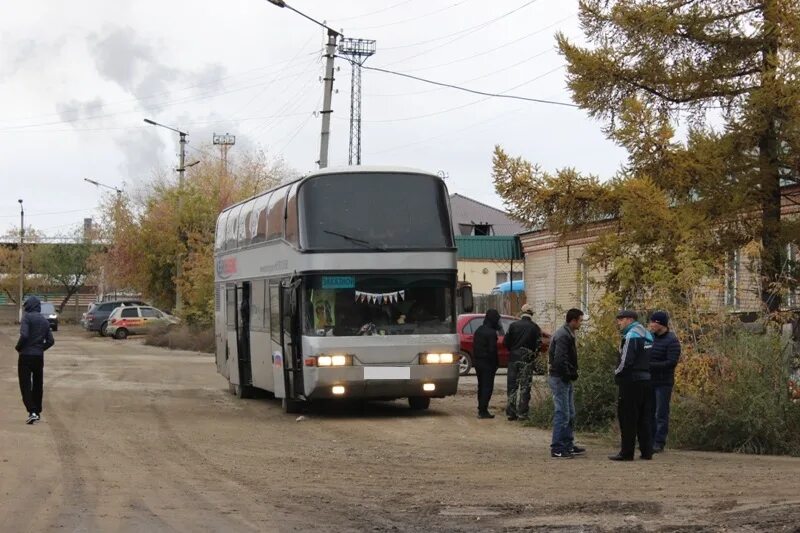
pixel 380 298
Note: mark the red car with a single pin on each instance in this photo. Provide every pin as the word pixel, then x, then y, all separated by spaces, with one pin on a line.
pixel 468 324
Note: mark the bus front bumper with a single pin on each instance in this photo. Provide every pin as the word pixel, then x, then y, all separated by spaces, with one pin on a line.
pixel 381 382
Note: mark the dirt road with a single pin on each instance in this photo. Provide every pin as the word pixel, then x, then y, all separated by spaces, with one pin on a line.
pixel 135 438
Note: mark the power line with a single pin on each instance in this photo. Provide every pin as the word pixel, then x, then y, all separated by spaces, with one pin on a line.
pixel 482 93
pixel 47 213
pixel 155 95
pixel 486 52
pixel 138 110
pixel 492 73
pixel 451 6
pixel 398 4
pixel 467 32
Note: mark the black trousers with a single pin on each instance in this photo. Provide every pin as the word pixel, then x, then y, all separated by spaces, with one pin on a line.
pixel 635 412
pixel 518 385
pixel 485 373
pixel 31 379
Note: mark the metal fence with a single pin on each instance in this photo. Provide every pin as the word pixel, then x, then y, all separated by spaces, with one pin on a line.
pixel 508 303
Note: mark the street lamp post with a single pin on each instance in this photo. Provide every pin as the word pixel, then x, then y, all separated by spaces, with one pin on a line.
pixel 117 207
pixel 181 169
pixel 21 256
pixel 330 53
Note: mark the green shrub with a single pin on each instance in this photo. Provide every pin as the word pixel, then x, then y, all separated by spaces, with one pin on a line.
pixel 744 404
pixel 595 391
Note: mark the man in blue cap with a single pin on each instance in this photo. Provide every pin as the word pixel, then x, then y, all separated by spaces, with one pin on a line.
pixel 632 375
pixel 35 338
pixel 663 359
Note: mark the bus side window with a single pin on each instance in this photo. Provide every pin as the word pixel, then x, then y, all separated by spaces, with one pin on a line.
pixel 275 311
pixel 275 216
pixel 291 215
pixel 258 220
pixel 219 241
pixel 230 228
pixel 230 300
pixel 243 239
pixel 257 306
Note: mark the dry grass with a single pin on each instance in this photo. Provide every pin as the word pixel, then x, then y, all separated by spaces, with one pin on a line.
pixel 182 338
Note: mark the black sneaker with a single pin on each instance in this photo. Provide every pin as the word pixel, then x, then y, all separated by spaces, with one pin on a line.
pixel 620 457
pixel 658 449
pixel 511 418
pixel 562 455
pixel 486 414
pixel 31 418
pixel 577 450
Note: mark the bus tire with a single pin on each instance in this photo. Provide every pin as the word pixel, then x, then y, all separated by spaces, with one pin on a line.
pixel 419 403
pixel 292 406
pixel 244 392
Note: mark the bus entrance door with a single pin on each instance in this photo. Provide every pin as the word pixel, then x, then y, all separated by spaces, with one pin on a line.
pixel 243 339
pixel 292 345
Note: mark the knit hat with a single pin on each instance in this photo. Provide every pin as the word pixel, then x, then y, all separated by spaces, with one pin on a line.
pixel 526 310
pixel 660 317
pixel 627 313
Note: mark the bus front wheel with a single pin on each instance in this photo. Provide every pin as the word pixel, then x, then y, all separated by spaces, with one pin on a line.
pixel 419 403
pixel 292 406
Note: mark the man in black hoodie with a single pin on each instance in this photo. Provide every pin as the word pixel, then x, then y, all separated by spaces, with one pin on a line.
pixel 484 357
pixel 35 338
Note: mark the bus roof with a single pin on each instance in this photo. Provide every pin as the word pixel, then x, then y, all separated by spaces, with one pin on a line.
pixel 360 169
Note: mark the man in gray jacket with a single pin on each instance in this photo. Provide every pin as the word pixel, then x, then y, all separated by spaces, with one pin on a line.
pixel 35 338
pixel 563 359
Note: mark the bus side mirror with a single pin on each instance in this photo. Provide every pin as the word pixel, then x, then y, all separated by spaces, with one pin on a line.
pixel 467 303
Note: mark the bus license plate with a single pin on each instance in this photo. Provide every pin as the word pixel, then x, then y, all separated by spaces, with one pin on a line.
pixel 387 372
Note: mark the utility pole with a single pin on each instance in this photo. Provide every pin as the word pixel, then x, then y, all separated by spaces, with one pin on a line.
pixel 21 256
pixel 181 169
pixel 359 50
pixel 330 54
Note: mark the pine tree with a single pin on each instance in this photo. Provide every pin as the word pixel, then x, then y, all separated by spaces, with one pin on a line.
pixel 734 62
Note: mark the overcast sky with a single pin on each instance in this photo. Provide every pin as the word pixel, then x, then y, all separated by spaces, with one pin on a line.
pixel 77 79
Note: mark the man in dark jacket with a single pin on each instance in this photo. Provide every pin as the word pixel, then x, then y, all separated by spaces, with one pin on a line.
pixel 484 358
pixel 563 359
pixel 35 338
pixel 663 359
pixel 522 341
pixel 632 375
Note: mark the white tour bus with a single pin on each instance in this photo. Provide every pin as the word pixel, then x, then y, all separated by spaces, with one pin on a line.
pixel 341 284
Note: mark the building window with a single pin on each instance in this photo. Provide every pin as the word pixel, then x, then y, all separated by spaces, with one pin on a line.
pixel 502 277
pixel 731 296
pixel 583 285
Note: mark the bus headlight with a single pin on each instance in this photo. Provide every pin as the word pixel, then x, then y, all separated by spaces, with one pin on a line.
pixel 334 360
pixel 436 358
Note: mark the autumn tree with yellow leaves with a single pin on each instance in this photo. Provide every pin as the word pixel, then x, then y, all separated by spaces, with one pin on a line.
pixel 730 69
pixel 148 231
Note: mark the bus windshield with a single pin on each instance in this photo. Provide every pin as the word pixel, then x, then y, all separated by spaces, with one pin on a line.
pixel 377 211
pixel 344 305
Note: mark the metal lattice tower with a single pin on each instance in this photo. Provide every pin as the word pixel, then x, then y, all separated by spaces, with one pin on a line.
pixel 359 51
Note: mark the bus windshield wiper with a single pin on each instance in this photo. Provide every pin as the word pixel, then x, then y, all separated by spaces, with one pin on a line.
pixel 356 240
